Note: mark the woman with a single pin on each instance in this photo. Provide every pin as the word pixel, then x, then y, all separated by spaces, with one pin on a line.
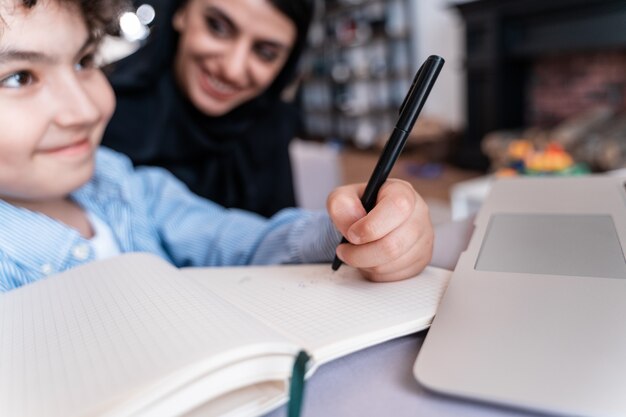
pixel 203 98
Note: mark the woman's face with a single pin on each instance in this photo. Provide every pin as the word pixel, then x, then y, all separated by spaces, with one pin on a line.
pixel 229 51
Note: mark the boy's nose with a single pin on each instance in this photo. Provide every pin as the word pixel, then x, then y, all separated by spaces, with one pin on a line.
pixel 76 106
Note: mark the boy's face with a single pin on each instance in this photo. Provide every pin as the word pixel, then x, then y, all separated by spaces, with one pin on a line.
pixel 54 104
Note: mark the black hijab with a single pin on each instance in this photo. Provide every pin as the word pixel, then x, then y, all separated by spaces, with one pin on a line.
pixel 240 159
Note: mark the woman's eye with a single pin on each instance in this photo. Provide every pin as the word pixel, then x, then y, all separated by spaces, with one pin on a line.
pixel 217 26
pixel 267 54
pixel 17 80
pixel 86 62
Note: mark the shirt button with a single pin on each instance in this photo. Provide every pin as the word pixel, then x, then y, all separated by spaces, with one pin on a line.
pixel 80 252
pixel 46 269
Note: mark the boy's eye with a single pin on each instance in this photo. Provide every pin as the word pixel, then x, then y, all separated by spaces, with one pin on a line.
pixel 17 80
pixel 86 62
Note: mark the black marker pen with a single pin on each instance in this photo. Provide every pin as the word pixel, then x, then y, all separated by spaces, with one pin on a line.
pixel 409 110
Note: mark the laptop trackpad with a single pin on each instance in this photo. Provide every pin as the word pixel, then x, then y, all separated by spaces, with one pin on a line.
pixel 556 244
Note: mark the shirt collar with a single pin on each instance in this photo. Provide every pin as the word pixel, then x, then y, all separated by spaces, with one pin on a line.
pixel 105 184
pixel 37 241
pixel 34 240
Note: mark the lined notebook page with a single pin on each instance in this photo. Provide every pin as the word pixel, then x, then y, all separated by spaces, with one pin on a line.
pixel 74 343
pixel 329 313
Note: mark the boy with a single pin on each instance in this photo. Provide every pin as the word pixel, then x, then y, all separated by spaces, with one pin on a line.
pixel 64 201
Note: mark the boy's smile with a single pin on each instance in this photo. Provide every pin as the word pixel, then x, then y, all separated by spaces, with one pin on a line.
pixel 54 102
pixel 80 147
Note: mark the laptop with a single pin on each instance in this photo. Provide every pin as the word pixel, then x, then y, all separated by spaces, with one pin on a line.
pixel 534 316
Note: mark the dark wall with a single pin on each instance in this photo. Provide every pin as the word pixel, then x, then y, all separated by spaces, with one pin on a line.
pixel 502 37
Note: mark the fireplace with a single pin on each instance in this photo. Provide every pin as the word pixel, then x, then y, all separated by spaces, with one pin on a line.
pixel 537 62
pixel 562 85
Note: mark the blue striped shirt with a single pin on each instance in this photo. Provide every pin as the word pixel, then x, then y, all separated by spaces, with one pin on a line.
pixel 149 210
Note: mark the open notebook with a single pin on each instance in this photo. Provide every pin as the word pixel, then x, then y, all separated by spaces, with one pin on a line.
pixel 134 336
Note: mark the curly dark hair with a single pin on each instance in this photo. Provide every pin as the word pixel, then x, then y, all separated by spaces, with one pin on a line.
pixel 100 15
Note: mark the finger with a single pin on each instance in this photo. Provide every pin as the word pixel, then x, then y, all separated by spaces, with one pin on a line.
pixel 410 264
pixel 397 201
pixel 421 249
pixel 344 206
pixel 373 254
pixel 407 272
pixel 393 246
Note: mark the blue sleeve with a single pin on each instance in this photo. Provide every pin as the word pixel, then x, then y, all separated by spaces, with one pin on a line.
pixel 197 232
pixel 12 276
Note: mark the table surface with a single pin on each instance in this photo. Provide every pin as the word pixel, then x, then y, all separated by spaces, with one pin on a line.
pixel 379 381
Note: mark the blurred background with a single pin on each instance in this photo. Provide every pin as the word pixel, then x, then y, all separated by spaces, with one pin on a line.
pixel 530 87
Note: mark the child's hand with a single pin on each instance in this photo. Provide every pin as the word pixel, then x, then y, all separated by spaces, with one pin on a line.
pixel 393 241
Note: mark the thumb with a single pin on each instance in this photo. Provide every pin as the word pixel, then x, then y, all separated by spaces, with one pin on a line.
pixel 344 206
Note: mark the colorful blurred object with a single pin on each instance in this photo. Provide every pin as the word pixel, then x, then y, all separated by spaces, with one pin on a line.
pixel 524 159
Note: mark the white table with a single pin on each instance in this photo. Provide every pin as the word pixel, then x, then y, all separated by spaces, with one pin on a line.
pixel 378 382
pixel 466 197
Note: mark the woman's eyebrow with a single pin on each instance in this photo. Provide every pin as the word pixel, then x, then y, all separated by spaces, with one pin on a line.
pixel 274 44
pixel 217 12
